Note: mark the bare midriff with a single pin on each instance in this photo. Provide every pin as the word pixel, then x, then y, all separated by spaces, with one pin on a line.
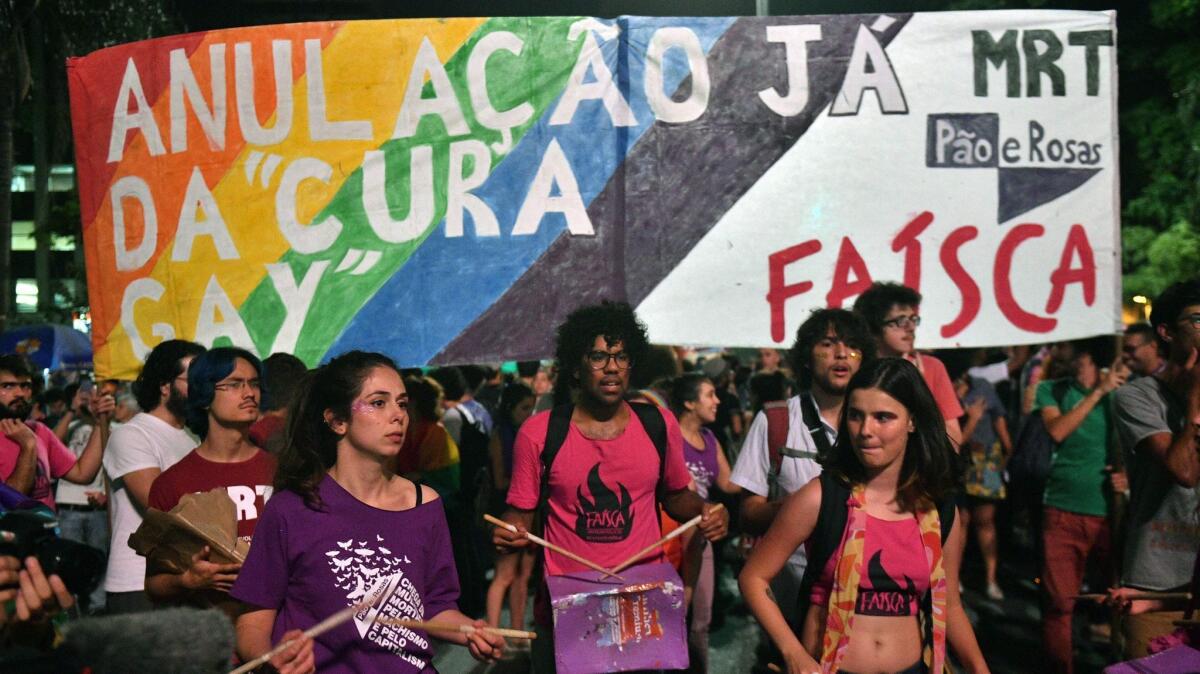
pixel 881 645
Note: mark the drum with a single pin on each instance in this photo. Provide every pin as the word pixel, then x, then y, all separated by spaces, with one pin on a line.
pixel 613 626
pixel 1177 660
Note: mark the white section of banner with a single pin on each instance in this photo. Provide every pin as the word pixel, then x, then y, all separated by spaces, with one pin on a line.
pixel 861 178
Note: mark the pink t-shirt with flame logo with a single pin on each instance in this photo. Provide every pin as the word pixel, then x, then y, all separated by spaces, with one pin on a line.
pixel 601 491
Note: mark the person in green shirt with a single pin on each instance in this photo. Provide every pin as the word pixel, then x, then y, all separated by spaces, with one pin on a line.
pixel 1076 502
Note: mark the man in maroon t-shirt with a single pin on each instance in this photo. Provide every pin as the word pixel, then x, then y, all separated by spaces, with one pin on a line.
pixel 604 479
pixel 223 400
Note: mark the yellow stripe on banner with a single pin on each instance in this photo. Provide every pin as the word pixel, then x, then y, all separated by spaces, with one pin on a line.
pixel 366 68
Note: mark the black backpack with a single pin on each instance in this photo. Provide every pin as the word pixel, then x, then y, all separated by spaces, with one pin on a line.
pixel 472 455
pixel 1033 448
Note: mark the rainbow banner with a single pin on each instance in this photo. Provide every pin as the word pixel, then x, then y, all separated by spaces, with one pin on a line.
pixel 446 190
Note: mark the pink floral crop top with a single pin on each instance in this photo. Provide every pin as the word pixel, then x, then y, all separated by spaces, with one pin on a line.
pixel 897 573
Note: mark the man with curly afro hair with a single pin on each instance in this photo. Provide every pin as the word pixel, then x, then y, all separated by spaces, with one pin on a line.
pixel 605 480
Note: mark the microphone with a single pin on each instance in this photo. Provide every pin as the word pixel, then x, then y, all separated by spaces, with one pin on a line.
pixel 184 640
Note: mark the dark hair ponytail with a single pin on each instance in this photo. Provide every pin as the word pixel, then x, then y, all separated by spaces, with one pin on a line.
pixel 311 447
pixel 513 394
pixel 685 389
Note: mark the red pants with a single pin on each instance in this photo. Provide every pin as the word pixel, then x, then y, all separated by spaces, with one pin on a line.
pixel 1067 538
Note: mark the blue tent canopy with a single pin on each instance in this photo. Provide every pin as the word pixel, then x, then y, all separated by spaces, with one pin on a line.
pixel 52 347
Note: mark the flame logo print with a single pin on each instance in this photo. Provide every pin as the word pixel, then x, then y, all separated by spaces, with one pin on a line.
pixel 607 518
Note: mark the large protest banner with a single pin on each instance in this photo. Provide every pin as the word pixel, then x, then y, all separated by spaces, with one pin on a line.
pixel 445 191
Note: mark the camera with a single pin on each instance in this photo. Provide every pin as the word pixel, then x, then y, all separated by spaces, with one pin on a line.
pixel 35 534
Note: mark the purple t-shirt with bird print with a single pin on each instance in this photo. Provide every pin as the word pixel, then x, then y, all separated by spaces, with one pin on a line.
pixel 309 564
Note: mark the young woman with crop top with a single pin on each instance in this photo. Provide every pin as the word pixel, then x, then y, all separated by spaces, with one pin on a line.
pixel 887 600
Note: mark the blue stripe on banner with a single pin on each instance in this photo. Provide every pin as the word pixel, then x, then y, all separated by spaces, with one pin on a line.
pixel 440 298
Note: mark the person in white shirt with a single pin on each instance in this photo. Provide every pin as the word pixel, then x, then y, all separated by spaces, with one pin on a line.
pixel 830 347
pixel 137 452
pixel 82 515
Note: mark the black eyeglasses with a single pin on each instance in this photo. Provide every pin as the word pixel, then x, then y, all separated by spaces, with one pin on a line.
pixel 598 360
pixel 1194 319
pixel 236 385
pixel 903 322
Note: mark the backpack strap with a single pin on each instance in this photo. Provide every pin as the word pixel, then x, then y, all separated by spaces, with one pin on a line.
pixel 777 432
pixel 656 427
pixel 1059 390
pixel 946 513
pixel 556 435
pixel 467 417
pixel 816 427
pixel 560 424
pixel 826 536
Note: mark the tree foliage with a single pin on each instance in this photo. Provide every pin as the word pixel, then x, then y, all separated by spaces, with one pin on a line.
pixel 37 38
pixel 1159 111
pixel 1161 214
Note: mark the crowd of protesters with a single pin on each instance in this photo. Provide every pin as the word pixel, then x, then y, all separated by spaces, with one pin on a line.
pixel 846 477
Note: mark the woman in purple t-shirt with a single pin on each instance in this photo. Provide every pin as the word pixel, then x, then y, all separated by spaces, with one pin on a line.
pixel 694 402
pixel 343 530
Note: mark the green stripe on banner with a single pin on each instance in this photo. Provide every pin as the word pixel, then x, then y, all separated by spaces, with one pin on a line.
pixel 537 76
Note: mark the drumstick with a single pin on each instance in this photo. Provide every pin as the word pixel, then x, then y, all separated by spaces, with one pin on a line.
pixel 450 627
pixel 650 548
pixel 312 632
pixel 550 546
pixel 1137 596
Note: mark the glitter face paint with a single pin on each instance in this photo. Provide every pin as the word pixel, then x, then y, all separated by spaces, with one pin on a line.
pixel 363 407
pixel 852 354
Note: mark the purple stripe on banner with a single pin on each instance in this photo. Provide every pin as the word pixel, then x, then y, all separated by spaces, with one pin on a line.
pixel 699 170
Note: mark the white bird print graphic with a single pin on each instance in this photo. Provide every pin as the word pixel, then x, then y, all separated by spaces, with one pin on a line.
pixel 363 567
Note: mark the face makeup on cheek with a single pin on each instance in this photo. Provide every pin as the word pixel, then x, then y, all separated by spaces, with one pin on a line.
pixel 362 407
pixel 834 363
pixel 379 416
